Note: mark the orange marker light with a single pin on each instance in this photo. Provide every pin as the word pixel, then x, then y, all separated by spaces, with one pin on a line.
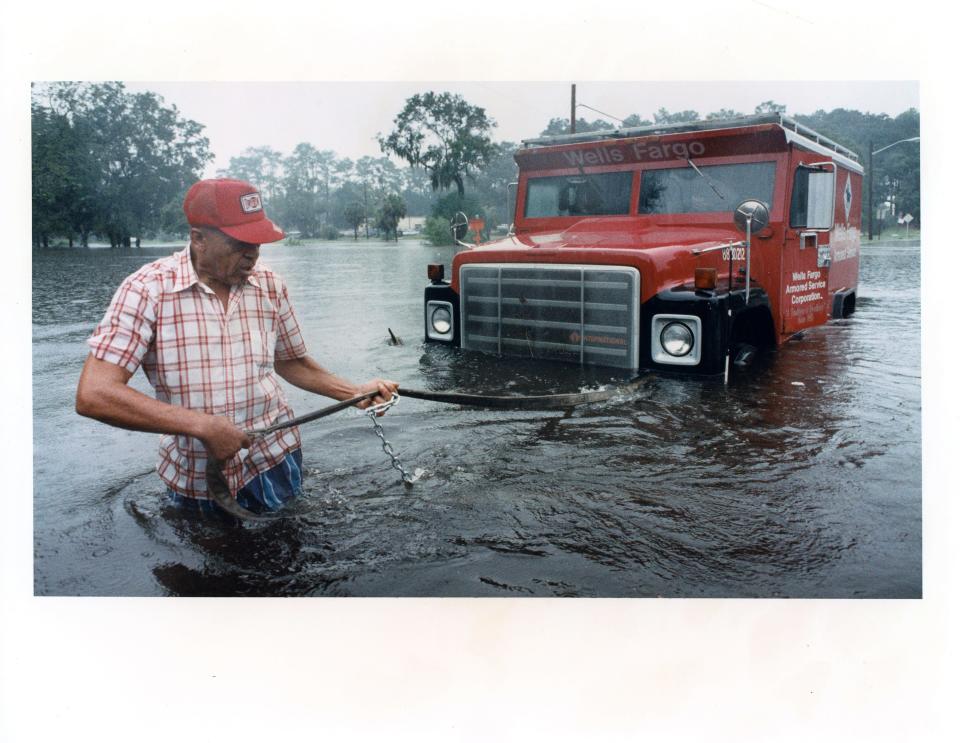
pixel 705 278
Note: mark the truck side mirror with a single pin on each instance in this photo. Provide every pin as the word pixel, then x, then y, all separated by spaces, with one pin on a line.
pixel 458 226
pixel 753 210
pixel 812 203
pixel 512 199
pixel 751 216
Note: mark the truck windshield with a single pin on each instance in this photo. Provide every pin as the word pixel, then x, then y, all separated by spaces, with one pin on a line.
pixel 715 188
pixel 581 195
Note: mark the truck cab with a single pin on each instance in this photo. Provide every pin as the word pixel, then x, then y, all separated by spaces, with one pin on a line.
pixel 675 248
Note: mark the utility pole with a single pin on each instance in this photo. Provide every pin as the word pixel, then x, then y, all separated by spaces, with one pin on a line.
pixel 366 224
pixel 870 194
pixel 573 109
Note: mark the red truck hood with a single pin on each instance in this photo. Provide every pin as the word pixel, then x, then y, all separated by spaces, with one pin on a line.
pixel 653 248
pixel 612 232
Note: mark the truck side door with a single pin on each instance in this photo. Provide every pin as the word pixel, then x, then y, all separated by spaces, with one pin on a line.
pixel 805 299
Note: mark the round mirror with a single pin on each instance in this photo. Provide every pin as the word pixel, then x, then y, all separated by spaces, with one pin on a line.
pixel 458 225
pixel 756 211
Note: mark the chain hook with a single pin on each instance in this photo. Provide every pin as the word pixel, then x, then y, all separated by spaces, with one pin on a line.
pixel 373 412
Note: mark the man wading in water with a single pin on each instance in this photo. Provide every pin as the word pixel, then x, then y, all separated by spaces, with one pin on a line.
pixel 210 327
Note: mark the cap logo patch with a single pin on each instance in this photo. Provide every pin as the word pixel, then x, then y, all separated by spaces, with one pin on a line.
pixel 251 203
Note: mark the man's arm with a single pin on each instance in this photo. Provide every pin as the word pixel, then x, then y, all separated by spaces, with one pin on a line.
pixel 307 374
pixel 103 394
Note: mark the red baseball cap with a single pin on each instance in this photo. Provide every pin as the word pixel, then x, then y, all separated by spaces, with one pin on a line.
pixel 233 207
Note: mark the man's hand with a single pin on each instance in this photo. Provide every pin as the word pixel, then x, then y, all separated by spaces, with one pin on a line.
pixel 307 374
pixel 222 438
pixel 384 387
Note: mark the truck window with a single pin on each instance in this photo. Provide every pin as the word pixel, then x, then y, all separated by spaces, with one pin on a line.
pixel 811 204
pixel 719 189
pixel 596 194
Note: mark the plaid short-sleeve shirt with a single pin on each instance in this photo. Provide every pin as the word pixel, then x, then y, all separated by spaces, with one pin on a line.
pixel 196 355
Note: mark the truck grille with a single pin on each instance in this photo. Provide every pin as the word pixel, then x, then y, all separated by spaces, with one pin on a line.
pixel 583 314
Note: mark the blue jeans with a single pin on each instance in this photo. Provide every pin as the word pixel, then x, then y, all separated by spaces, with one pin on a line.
pixel 268 491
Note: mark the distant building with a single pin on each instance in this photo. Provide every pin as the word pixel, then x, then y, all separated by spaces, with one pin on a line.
pixel 412 224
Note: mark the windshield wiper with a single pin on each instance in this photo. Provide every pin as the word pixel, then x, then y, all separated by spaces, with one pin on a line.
pixel 706 178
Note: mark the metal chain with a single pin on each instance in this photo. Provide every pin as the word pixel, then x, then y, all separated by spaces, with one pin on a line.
pixel 372 412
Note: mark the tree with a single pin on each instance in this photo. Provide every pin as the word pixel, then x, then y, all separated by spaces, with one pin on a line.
pixel 636 120
pixel 681 117
pixel 492 183
pixel 416 190
pixel 442 133
pixel 61 179
pixel 261 166
pixel 379 175
pixel 562 126
pixel 306 189
pixel 769 107
pixel 354 214
pixel 391 211
pixel 724 113
pixel 120 159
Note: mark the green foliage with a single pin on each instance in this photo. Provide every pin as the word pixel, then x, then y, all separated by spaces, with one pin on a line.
pixel 379 175
pixel 329 232
pixel 354 214
pixel 562 126
pixel 109 162
pixel 492 184
pixel 391 211
pixel 436 230
pixel 447 206
pixel 261 166
pixel 724 113
pixel 770 107
pixel 443 134
pixel 680 117
pixel 636 120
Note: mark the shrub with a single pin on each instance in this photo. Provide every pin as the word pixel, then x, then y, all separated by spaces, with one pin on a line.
pixel 437 231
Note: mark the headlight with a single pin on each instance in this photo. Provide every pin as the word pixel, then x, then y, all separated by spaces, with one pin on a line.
pixel 440 320
pixel 676 339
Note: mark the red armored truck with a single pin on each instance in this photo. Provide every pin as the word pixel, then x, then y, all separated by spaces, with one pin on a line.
pixel 676 248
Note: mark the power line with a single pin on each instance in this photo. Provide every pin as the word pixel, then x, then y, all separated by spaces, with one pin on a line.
pixel 615 118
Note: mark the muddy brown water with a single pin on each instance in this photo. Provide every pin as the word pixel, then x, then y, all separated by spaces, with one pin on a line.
pixel 798 479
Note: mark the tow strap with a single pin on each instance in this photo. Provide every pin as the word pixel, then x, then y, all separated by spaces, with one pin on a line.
pixel 499 402
pixel 216 483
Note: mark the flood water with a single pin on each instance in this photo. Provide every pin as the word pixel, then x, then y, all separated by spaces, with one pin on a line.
pixel 798 479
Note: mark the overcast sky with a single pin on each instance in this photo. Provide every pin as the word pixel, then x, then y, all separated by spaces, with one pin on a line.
pixel 346 116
